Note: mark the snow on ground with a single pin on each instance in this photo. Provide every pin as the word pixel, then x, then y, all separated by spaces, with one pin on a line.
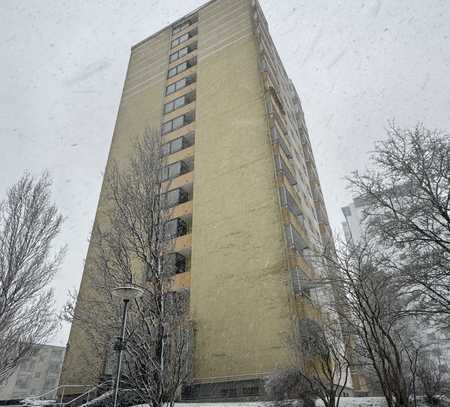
pixel 345 402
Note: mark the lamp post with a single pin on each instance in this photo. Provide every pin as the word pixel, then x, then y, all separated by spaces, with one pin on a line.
pixel 126 294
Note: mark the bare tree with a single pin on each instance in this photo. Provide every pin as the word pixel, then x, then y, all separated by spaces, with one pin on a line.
pixel 375 314
pixel 434 377
pixel 321 369
pixel 133 246
pixel 407 206
pixel 29 222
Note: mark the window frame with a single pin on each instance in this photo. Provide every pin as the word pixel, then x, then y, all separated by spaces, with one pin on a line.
pixel 186 99
pixel 178 144
pixel 176 86
pixel 177 122
pixel 184 24
pixel 174 56
pixel 183 66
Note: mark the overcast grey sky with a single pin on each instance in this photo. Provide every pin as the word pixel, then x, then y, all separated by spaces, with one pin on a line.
pixel 355 64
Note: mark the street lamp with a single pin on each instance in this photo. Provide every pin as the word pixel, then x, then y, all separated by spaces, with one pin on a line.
pixel 126 294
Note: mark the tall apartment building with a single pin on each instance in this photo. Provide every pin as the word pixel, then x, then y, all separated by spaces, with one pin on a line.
pixel 249 198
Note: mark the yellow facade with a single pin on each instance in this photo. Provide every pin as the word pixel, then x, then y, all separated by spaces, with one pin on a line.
pixel 244 242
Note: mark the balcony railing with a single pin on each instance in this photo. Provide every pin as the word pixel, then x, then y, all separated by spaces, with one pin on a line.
pixel 174 170
pixel 301 282
pixel 174 197
pixel 288 201
pixel 178 144
pixel 174 263
pixel 295 241
pixel 277 138
pixel 283 169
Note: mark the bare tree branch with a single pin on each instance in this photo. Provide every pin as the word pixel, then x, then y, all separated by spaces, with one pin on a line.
pixel 29 222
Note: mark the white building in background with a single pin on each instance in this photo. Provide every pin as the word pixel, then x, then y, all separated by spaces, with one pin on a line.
pixel 353 214
pixel 35 375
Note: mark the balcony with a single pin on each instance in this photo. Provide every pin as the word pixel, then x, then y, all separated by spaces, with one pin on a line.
pixel 307 307
pixel 179 181
pixel 182 244
pixel 175 228
pixel 288 201
pixel 183 155
pixel 182 53
pixel 185 24
pixel 181 110
pixel 174 197
pixel 182 38
pixel 180 203
pixel 182 210
pixel 177 145
pixel 295 240
pixel 283 169
pixel 174 170
pixel 302 283
pixel 174 263
pixel 181 281
pixel 299 261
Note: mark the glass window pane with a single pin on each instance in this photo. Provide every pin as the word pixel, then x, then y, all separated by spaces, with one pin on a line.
pixel 164 173
pixel 180 84
pixel 178 122
pixel 166 127
pixel 171 228
pixel 182 52
pixel 182 67
pixel 173 57
pixel 179 102
pixel 177 145
pixel 168 107
pixel 165 149
pixel 172 72
pixel 170 89
pixel 174 170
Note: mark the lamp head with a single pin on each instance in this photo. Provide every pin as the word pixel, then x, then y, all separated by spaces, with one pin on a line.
pixel 127 293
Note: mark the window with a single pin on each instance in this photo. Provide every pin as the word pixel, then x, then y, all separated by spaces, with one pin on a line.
pixel 180 27
pixel 174 104
pixel 284 169
pixel 178 144
pixel 184 24
pixel 173 170
pixel 182 52
pixel 178 122
pixel 179 54
pixel 181 67
pixel 175 263
pixel 174 197
pixel 182 38
pixel 278 139
pixel 295 241
pixel 175 228
pixel 179 102
pixel 288 201
pixel 173 87
pixel 302 283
